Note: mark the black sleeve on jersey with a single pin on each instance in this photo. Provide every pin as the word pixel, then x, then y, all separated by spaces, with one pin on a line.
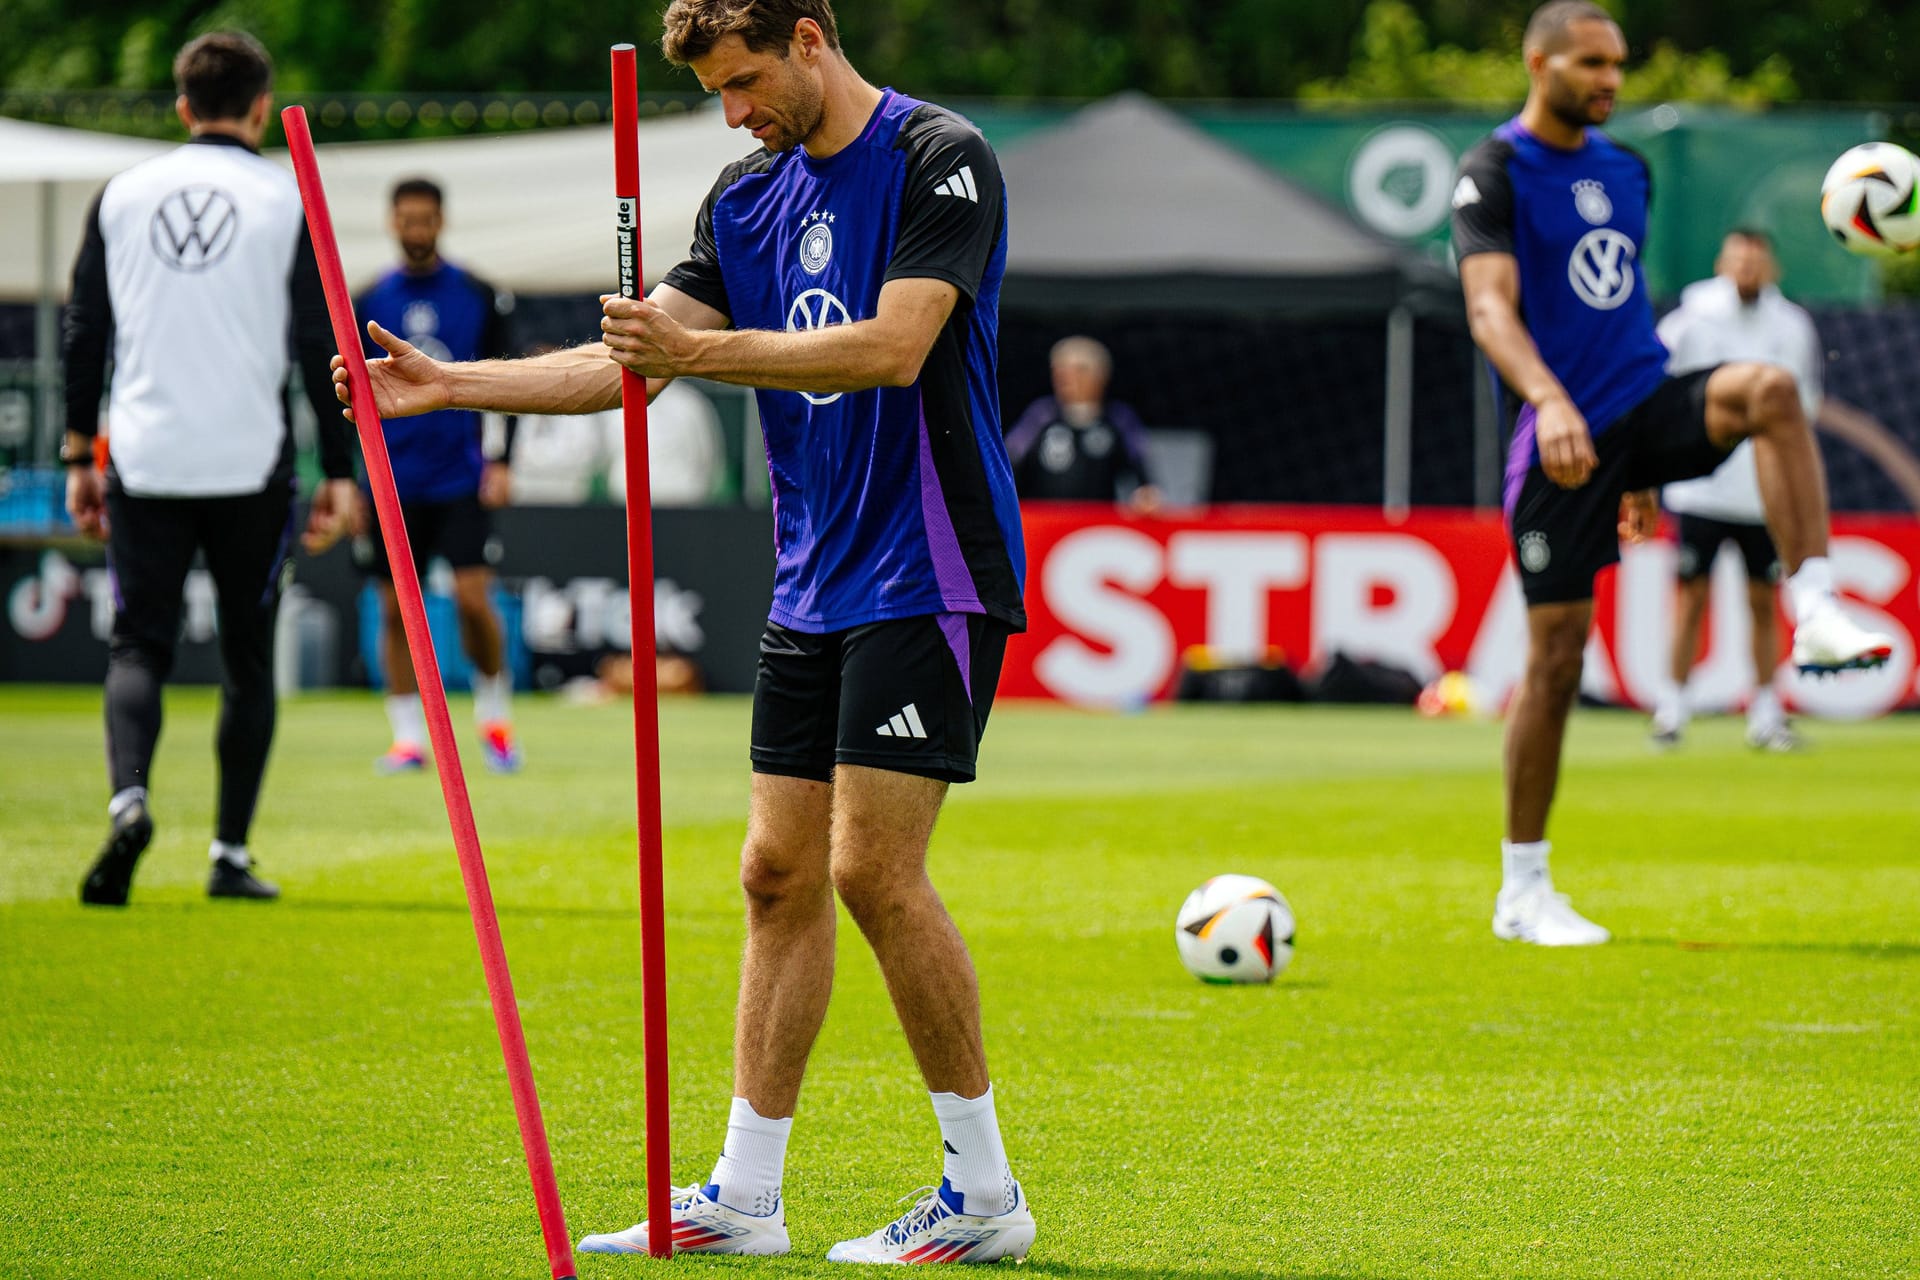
pixel 313 347
pixel 496 343
pixel 1483 200
pixel 951 214
pixel 1646 166
pixel 699 275
pixel 88 333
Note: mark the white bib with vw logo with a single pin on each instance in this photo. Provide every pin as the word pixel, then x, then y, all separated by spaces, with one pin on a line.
pixel 199 246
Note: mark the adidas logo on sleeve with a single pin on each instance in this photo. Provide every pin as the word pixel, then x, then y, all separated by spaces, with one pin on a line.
pixel 959 184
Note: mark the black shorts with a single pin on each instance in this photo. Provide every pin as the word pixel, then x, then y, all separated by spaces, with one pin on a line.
pixel 1563 537
pixel 1701 538
pixel 247 543
pixel 910 695
pixel 459 530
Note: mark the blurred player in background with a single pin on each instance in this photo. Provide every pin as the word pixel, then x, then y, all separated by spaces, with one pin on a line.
pixel 1737 314
pixel 851 271
pixel 194 270
pixel 1549 216
pixel 447 487
pixel 1077 445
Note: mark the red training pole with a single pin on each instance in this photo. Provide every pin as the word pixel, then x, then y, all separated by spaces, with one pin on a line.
pixel 446 754
pixel 646 689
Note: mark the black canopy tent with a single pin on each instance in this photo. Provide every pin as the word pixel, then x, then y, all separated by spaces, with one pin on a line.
pixel 1126 204
pixel 1127 221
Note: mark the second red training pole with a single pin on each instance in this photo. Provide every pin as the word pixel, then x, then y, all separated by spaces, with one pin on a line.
pixel 646 693
pixel 446 753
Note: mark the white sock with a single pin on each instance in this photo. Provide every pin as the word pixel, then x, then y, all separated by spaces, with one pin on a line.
pixel 492 697
pixel 1810 587
pixel 752 1160
pixel 1764 713
pixel 409 721
pixel 124 800
pixel 221 851
pixel 1670 705
pixel 976 1160
pixel 1523 864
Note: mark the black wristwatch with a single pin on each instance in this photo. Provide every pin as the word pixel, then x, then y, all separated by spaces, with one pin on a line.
pixel 70 459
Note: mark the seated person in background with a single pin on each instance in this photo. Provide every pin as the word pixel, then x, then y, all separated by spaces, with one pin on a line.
pixel 685 456
pixel 557 456
pixel 1076 445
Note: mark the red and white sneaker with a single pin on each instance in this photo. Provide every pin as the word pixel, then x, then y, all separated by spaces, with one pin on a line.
pixel 1830 642
pixel 937 1229
pixel 401 757
pixel 701 1224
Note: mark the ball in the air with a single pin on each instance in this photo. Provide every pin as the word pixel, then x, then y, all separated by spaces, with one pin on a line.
pixel 1870 199
pixel 1235 929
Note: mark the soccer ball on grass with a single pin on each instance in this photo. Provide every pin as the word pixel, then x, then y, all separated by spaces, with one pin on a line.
pixel 1870 199
pixel 1235 929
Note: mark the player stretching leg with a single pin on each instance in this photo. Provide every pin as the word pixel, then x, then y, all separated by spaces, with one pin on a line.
pixel 1549 217
pixel 850 270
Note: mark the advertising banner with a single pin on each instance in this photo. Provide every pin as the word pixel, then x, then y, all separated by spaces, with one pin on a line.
pixel 1114 603
pixel 563 574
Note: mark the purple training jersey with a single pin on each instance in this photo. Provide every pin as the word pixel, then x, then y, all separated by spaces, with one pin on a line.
pixel 896 501
pixel 1575 222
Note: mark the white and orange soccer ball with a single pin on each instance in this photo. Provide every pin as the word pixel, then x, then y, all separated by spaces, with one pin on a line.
pixel 1870 199
pixel 1235 929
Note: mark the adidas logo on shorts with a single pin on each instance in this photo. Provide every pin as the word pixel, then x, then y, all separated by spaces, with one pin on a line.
pixel 905 723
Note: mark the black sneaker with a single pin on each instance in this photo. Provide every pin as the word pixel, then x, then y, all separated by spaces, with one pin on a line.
pixel 231 880
pixel 111 876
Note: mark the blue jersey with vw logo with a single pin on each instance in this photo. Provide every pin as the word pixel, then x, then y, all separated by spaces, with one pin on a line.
pixel 450 314
pixel 1575 222
pixel 896 501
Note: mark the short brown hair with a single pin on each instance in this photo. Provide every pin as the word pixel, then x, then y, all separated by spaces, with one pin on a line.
pixel 693 27
pixel 1547 28
pixel 221 74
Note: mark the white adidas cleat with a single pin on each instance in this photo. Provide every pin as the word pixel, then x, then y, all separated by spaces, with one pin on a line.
pixel 1830 641
pixel 701 1224
pixel 1538 915
pixel 936 1229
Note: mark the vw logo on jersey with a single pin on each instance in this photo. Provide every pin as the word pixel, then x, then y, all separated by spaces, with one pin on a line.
pixel 816 248
pixel 816 309
pixel 1601 268
pixel 1590 201
pixel 194 227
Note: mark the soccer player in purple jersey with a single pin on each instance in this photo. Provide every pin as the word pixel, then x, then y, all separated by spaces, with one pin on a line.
pixel 851 271
pixel 1549 217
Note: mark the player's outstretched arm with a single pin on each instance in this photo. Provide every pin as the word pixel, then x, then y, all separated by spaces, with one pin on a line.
pixel 884 351
pixel 573 380
pixel 1492 285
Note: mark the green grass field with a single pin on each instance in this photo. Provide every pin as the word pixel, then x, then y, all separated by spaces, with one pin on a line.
pixel 313 1087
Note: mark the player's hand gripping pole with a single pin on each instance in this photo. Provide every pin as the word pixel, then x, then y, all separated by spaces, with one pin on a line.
pixel 646 692
pixel 446 753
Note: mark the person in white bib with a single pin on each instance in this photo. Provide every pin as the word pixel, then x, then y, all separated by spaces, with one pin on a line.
pixel 1737 314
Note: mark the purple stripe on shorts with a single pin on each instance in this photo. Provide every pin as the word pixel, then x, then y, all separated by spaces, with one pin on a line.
pixel 1519 457
pixel 950 571
pixel 954 627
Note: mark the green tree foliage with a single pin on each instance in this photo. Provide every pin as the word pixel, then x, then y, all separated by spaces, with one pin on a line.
pixel 1393 58
pixel 1721 50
